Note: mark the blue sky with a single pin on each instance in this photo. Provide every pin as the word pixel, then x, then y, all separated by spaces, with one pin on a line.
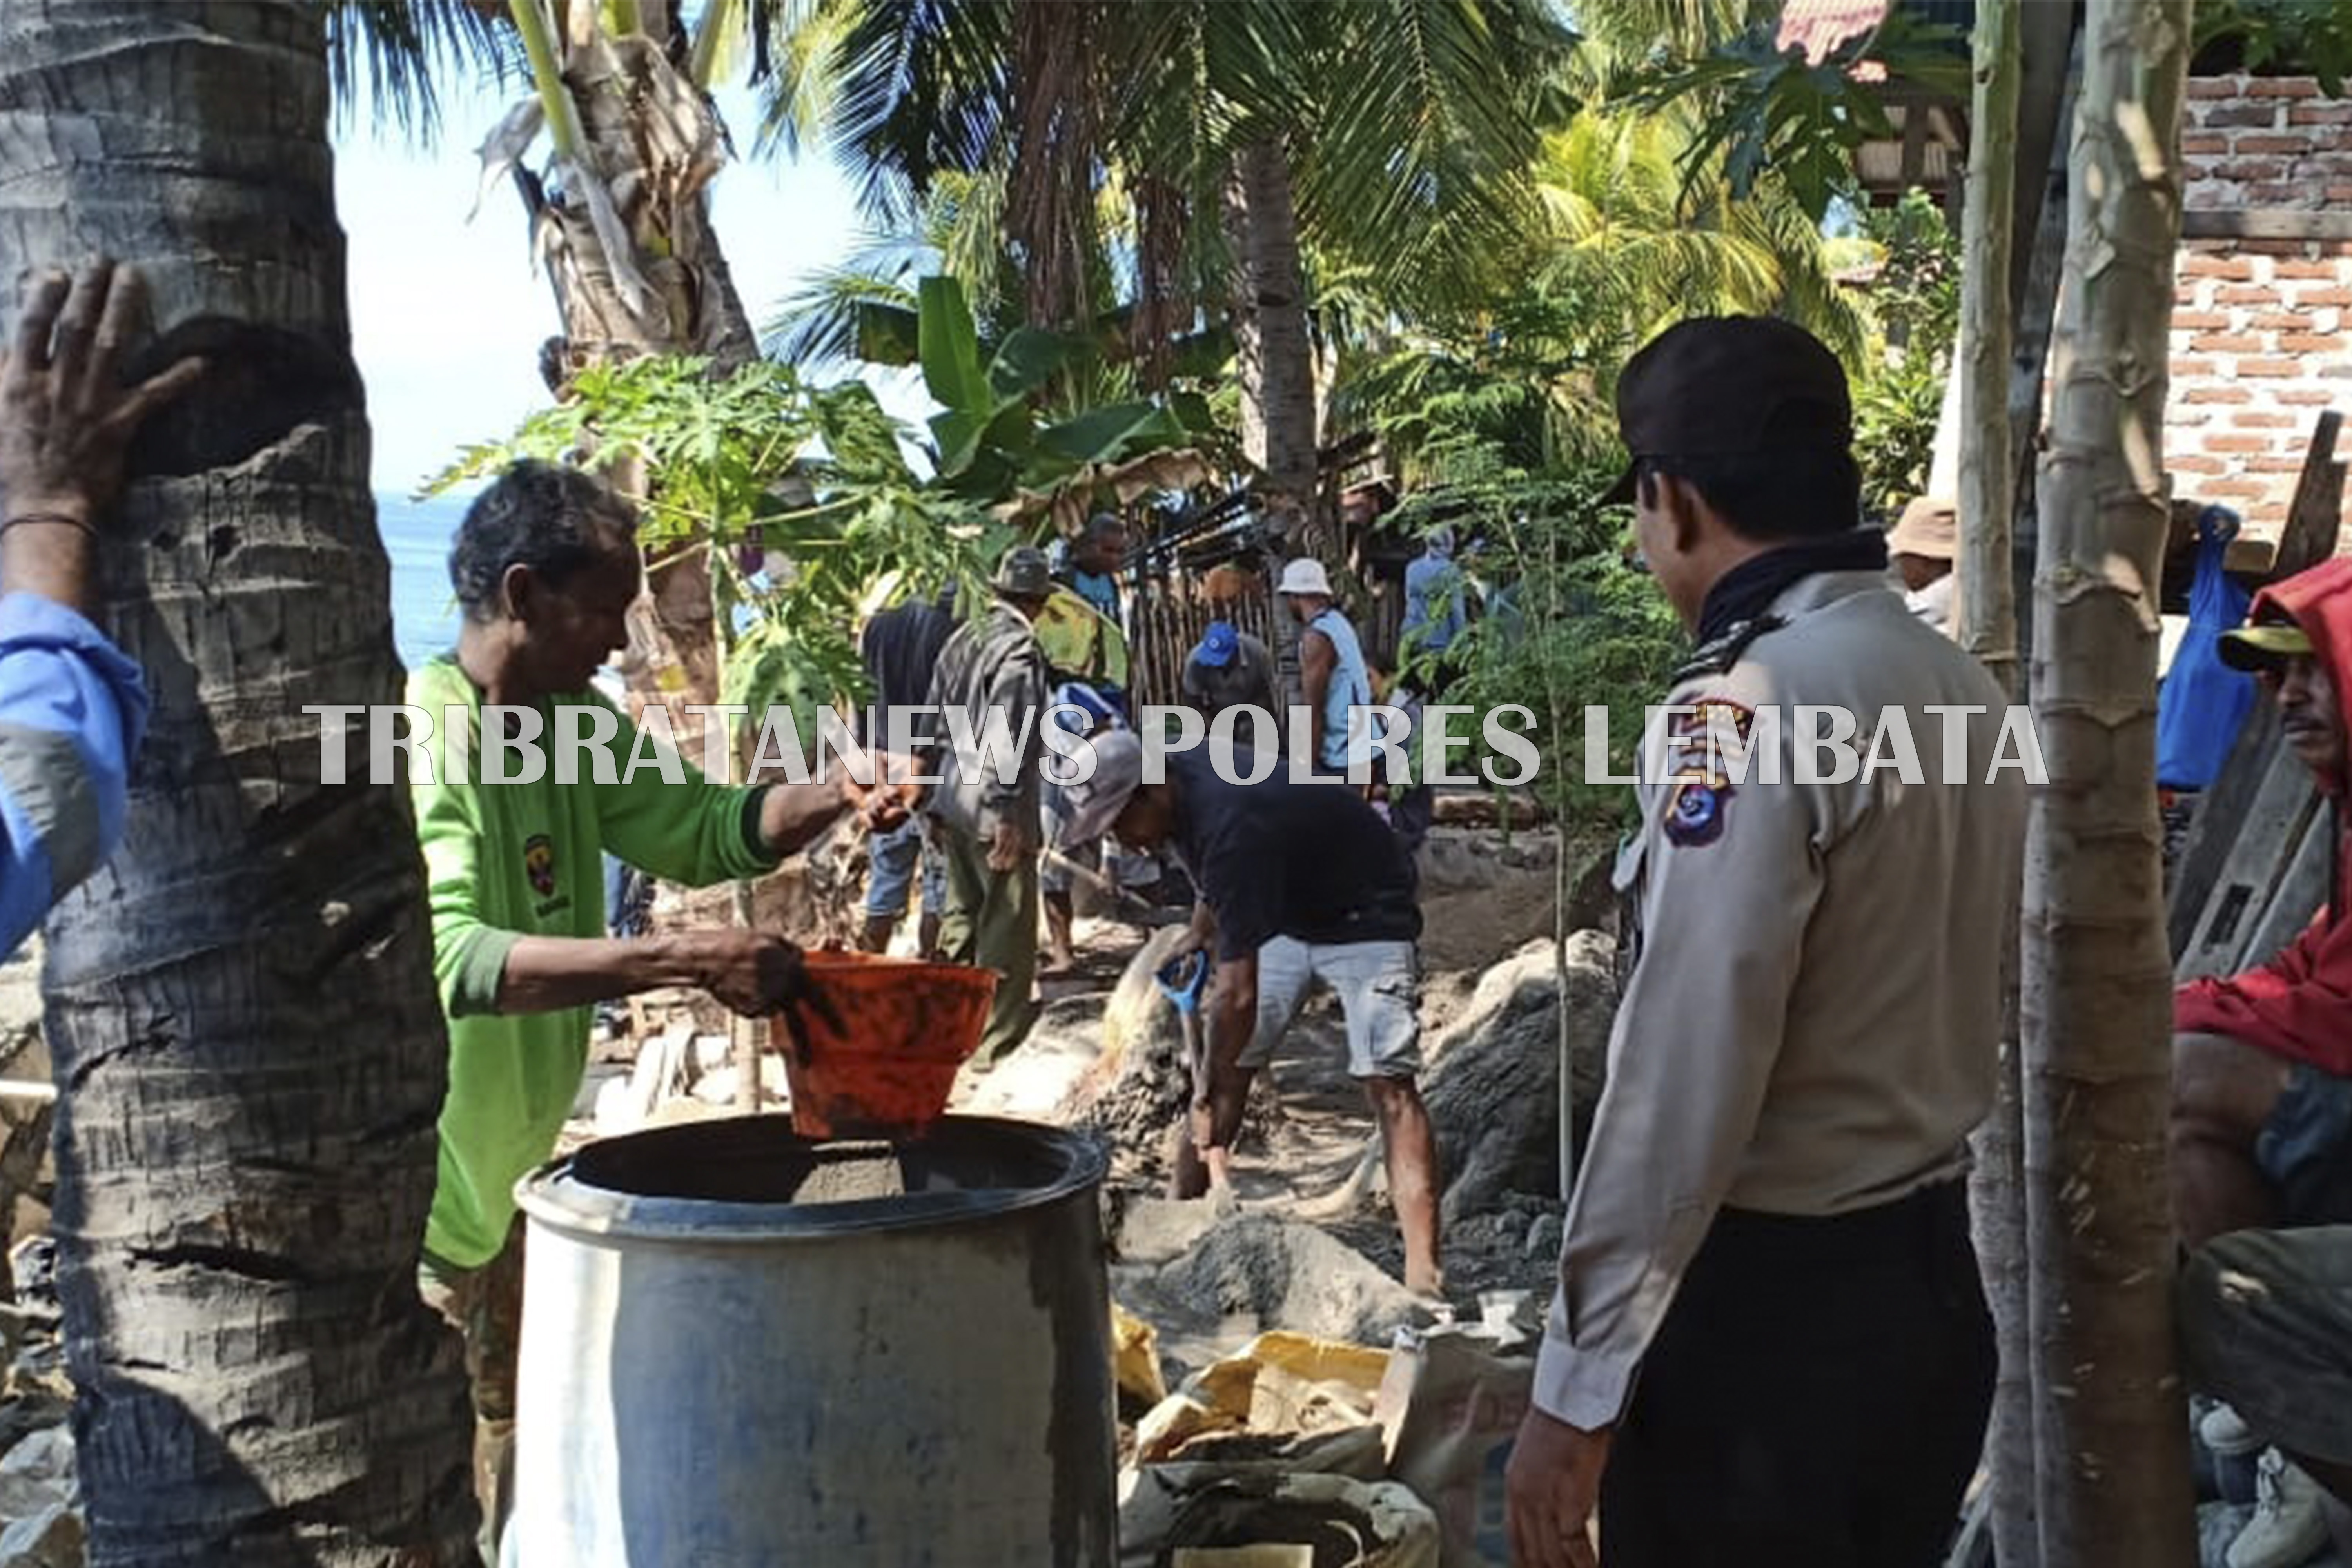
pixel 447 316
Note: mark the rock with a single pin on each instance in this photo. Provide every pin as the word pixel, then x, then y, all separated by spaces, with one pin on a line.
pixel 1290 1275
pixel 1543 1237
pixel 1493 1091
pixel 50 1538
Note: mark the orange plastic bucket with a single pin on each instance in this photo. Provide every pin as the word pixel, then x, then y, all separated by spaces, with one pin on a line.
pixel 906 1027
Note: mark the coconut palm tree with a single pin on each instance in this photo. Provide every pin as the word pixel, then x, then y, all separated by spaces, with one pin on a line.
pixel 618 213
pixel 1623 245
pixel 247 1046
pixel 1387 133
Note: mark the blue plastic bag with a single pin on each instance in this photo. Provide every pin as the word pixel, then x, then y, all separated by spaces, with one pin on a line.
pixel 2204 702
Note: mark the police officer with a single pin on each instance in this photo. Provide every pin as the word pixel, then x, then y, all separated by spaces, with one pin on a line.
pixel 1771 1226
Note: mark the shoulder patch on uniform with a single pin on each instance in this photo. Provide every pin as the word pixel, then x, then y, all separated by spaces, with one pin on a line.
pixel 1705 733
pixel 1695 811
pixel 1719 653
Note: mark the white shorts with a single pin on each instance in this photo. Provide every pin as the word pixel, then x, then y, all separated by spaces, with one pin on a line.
pixel 1379 986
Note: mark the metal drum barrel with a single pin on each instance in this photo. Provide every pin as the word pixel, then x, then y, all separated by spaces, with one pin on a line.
pixel 744 1349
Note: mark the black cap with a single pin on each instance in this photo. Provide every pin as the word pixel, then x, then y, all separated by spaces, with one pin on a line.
pixel 1726 386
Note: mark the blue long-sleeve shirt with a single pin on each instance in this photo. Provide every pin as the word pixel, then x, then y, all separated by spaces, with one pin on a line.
pixel 1432 601
pixel 72 711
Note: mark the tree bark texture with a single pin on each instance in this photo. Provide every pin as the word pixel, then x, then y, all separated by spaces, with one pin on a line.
pixel 1986 607
pixel 1986 610
pixel 2052 73
pixel 1277 358
pixel 2098 992
pixel 247 1045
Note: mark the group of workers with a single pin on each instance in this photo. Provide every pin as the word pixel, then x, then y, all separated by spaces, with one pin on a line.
pixel 1769 1343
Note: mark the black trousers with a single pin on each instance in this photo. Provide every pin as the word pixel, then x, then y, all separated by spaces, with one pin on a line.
pixel 1816 1397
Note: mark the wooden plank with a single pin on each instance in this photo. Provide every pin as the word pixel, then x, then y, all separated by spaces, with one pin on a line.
pixel 2264 850
pixel 2221 812
pixel 2297 898
pixel 2267 223
pixel 2317 514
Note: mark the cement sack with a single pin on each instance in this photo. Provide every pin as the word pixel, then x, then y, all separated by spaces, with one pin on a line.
pixel 1451 1404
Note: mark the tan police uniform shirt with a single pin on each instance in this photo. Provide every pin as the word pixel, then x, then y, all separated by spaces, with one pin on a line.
pixel 1812 1023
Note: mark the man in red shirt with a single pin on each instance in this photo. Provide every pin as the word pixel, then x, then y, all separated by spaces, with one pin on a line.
pixel 2262 1113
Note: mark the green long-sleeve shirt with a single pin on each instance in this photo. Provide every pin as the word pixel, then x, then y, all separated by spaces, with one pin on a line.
pixel 508 860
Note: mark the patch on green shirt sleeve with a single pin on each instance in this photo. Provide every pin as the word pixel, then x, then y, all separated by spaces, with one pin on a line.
pixel 474 989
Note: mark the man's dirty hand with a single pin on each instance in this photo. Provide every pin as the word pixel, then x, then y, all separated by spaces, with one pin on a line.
pixel 1552 1487
pixel 66 419
pixel 754 972
pixel 1010 845
pixel 891 798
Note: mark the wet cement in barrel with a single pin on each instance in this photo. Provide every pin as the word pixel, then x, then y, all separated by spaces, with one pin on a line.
pixel 852 1172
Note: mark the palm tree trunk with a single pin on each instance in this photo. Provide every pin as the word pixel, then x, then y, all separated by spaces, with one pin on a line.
pixel 1278 368
pixel 2096 992
pixel 637 269
pixel 247 1042
pixel 1277 358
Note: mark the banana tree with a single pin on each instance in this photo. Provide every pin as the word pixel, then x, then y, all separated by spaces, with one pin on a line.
pixel 990 444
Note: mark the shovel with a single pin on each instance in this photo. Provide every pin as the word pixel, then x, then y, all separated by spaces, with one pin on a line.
pixel 1182 981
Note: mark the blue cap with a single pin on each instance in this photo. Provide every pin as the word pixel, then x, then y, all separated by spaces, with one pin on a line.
pixel 1218 645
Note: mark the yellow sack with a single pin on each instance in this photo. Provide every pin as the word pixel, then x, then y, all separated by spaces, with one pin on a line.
pixel 1135 1357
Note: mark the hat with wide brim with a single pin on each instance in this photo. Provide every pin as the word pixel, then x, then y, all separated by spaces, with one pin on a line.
pixel 2263 647
pixel 1930 528
pixel 1304 575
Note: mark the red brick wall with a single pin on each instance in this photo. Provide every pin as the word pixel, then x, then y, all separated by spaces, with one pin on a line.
pixel 2262 329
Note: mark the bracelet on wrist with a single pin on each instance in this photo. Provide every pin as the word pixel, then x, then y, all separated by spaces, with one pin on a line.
pixel 54 518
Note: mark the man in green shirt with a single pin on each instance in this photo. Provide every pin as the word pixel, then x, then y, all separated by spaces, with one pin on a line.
pixel 545 566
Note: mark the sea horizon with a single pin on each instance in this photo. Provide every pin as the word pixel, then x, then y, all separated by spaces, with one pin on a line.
pixel 416 536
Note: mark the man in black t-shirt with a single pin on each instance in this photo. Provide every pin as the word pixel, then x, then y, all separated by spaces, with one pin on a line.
pixel 1299 882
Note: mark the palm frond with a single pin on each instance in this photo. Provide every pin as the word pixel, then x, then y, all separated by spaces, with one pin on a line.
pixel 405 51
pixel 823 322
